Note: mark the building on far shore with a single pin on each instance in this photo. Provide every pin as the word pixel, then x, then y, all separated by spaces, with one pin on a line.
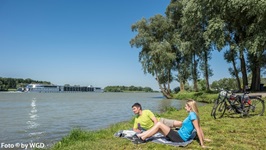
pixel 42 88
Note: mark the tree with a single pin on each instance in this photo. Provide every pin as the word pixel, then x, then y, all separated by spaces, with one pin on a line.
pixel 241 23
pixel 183 60
pixel 256 61
pixel 183 40
pixel 14 83
pixel 156 55
pixel 205 67
pixel 191 32
pixel 231 56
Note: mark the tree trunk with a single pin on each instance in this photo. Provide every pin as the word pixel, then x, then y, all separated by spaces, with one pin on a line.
pixel 243 69
pixel 255 83
pixel 182 86
pixel 194 74
pixel 168 81
pixel 163 89
pixel 236 74
pixel 206 71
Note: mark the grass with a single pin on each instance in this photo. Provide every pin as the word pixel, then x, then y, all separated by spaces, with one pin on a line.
pixel 229 132
pixel 198 96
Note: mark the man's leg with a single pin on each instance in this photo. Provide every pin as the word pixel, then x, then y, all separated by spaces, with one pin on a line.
pixel 171 123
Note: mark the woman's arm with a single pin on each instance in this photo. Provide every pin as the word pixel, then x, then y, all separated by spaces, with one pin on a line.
pixel 199 132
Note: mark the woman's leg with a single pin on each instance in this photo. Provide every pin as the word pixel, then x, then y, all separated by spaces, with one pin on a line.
pixel 158 127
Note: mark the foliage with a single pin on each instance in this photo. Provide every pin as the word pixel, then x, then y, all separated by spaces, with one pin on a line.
pixel 182 41
pixel 176 89
pixel 202 85
pixel 157 56
pixel 127 88
pixel 225 83
pixel 15 83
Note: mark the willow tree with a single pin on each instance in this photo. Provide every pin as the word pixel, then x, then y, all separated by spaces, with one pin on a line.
pixel 243 24
pixel 182 63
pixel 190 28
pixel 249 26
pixel 256 41
pixel 156 56
pixel 193 26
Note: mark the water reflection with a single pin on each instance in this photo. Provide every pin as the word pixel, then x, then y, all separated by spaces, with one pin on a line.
pixel 33 120
pixel 33 116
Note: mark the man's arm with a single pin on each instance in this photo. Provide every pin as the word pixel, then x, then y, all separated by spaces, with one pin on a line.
pixel 136 127
pixel 154 119
pixel 136 130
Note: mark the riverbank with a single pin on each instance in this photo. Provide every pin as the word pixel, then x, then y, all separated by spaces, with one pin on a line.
pixel 229 132
pixel 208 97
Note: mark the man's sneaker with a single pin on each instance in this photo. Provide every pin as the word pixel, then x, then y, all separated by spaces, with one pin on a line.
pixel 138 140
pixel 134 137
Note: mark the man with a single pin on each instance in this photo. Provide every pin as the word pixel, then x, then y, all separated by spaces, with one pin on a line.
pixel 145 119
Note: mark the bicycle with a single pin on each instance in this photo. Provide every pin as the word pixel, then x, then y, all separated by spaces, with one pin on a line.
pixel 221 97
pixel 244 104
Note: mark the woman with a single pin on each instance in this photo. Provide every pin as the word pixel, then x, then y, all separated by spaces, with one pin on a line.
pixel 183 134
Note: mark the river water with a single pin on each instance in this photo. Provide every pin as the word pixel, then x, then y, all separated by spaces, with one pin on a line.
pixel 47 117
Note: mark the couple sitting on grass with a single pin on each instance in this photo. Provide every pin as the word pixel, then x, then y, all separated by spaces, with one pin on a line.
pixel 146 125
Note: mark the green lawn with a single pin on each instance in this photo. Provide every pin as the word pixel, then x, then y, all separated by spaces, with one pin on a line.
pixel 229 132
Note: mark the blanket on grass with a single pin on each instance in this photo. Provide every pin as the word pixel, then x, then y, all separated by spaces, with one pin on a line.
pixel 157 138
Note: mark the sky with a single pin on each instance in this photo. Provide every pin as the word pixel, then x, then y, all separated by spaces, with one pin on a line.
pixel 79 42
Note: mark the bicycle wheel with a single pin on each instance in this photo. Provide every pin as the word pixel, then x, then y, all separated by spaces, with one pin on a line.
pixel 257 107
pixel 219 110
pixel 215 105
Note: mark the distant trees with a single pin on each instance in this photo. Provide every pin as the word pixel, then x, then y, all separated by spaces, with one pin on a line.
pixel 178 46
pixel 225 83
pixel 13 83
pixel 127 88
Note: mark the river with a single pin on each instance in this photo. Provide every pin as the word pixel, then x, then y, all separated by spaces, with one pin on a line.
pixel 47 117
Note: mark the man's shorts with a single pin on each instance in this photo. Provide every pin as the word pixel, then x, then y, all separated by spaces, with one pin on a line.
pixel 167 122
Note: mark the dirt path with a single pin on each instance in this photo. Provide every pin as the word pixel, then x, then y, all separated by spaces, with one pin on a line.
pixel 263 94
